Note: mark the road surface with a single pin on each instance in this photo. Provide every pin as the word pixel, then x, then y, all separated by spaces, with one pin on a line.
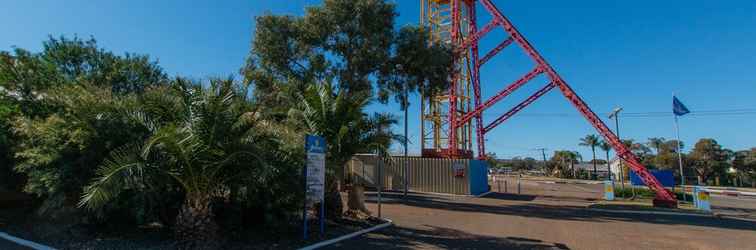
pixel 559 220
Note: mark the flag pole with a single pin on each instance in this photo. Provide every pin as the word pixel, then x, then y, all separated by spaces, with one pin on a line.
pixel 679 156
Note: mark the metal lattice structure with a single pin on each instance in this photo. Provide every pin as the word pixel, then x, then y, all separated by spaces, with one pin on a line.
pixel 447 118
pixel 439 112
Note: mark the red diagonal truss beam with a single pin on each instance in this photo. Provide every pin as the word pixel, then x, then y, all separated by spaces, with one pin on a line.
pixel 519 107
pixel 663 196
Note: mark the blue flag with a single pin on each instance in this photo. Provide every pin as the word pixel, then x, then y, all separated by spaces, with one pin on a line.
pixel 678 107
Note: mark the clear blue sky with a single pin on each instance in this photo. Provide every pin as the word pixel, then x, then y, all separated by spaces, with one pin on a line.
pixel 633 54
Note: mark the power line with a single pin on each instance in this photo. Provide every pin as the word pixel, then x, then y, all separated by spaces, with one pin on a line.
pixel 651 114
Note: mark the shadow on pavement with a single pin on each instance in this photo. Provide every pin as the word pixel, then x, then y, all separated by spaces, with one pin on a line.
pixel 441 238
pixel 512 197
pixel 559 212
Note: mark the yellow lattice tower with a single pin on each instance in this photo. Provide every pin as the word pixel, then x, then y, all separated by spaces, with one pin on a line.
pixel 437 16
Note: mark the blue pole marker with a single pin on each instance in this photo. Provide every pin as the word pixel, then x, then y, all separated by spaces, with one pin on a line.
pixel 608 190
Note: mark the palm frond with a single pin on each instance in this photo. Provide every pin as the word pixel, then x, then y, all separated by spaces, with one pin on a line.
pixel 121 171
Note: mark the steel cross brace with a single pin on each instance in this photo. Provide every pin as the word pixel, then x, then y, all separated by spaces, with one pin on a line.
pixel 476 37
pixel 519 107
pixel 493 100
pixel 496 50
pixel 663 196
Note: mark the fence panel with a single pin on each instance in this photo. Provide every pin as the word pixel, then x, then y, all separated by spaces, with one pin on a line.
pixel 425 174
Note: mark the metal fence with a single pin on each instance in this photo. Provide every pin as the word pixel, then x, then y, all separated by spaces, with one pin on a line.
pixel 434 175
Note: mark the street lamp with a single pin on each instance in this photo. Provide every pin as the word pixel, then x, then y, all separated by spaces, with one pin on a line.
pixel 615 116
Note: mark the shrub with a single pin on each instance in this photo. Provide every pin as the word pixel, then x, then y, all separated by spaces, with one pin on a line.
pixel 645 193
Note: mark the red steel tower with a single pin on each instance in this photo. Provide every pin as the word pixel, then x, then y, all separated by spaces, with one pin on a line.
pixel 447 119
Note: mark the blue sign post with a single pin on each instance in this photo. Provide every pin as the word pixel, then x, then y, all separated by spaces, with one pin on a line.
pixel 314 173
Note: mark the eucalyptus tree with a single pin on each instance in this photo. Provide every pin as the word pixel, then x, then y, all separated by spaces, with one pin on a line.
pixel 203 139
pixel 709 158
pixel 353 44
pixel 591 141
pixel 47 99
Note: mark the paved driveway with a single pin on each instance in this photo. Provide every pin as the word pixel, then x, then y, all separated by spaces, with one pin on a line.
pixel 506 221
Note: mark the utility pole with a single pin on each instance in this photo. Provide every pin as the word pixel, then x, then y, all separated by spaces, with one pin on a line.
pixel 406 141
pixel 543 153
pixel 615 115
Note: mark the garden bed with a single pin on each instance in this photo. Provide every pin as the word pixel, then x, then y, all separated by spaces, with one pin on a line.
pixel 22 223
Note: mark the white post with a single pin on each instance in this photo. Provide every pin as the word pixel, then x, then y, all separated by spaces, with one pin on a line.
pixel 679 158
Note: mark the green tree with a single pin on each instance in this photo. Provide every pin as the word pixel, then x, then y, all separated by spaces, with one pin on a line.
pixel 59 153
pixel 8 179
pixel 59 96
pixel 591 141
pixel 209 139
pixel 656 143
pixel 745 163
pixel 351 43
pixel 565 160
pixel 672 146
pixel 709 158
pixel 492 160
pixel 30 76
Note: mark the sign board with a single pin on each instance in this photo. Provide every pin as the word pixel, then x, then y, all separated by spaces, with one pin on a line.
pixel 665 177
pixel 702 198
pixel 459 169
pixel 315 147
pixel 608 190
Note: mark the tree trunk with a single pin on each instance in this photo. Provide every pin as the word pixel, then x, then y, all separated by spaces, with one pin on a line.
pixel 334 206
pixel 609 167
pixel 195 224
pixel 356 201
pixel 595 170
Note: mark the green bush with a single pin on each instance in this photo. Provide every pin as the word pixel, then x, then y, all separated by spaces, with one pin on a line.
pixel 641 192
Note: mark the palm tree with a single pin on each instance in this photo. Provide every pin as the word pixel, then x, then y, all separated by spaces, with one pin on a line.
pixel 604 145
pixel 657 143
pixel 566 159
pixel 591 141
pixel 203 139
pixel 338 117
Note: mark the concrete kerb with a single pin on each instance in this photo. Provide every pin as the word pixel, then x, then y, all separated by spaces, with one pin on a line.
pixel 23 242
pixel 483 194
pixel 349 236
pixel 651 212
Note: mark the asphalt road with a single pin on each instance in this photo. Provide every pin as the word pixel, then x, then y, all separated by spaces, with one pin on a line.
pixel 558 220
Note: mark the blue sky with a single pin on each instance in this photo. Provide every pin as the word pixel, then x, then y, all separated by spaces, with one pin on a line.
pixel 633 54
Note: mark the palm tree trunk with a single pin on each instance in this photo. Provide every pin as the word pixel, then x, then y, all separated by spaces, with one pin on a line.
pixel 195 225
pixel 595 170
pixel 609 167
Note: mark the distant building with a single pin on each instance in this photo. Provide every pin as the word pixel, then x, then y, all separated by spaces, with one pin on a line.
pixel 601 169
pixel 616 167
